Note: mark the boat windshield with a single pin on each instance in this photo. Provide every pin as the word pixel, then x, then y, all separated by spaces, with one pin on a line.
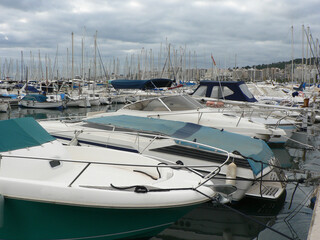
pixel 171 103
pixel 244 88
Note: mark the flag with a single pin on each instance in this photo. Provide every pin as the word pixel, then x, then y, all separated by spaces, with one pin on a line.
pixel 214 62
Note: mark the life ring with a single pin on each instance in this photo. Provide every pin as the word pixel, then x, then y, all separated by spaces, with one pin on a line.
pixel 214 104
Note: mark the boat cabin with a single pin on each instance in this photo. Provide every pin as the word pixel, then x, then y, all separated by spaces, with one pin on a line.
pixel 227 90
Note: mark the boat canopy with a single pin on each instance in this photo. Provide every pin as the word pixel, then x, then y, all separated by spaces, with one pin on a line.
pixel 247 146
pixel 35 97
pixel 19 133
pixel 228 90
pixel 166 103
pixel 141 84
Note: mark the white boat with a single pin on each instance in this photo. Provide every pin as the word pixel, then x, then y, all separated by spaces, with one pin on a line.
pixel 4 106
pixel 185 108
pixel 77 101
pixel 39 101
pixel 234 97
pixel 194 145
pixel 94 100
pixel 52 191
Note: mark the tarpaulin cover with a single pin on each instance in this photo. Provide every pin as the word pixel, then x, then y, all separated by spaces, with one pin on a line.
pixel 141 84
pixel 35 97
pixel 247 146
pixel 21 133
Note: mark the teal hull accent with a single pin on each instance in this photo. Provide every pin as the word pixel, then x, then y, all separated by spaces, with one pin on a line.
pixel 30 220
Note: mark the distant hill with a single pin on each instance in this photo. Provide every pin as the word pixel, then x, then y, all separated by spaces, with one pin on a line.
pixel 280 65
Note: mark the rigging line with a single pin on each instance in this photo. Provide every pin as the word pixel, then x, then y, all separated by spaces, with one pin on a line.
pixel 294 191
pixel 299 207
pixel 258 161
pixel 293 214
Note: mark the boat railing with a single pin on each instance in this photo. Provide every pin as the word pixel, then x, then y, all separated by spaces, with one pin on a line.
pixel 143 146
pixel 205 178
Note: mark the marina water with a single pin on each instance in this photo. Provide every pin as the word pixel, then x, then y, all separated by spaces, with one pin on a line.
pixel 288 218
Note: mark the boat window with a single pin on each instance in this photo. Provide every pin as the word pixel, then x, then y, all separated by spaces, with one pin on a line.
pixel 245 90
pixel 215 92
pixel 201 91
pixel 147 105
pixel 227 91
pixel 154 105
pixel 218 93
pixel 180 103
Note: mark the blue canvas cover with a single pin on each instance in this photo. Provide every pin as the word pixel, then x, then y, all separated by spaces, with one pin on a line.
pixel 28 88
pixel 238 94
pixel 141 84
pixel 35 97
pixel 247 146
pixel 21 133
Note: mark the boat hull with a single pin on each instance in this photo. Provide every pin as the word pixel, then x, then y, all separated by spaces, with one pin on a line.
pixel 41 220
pixel 34 104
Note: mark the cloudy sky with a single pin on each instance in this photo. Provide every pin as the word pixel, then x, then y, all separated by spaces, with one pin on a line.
pixel 242 32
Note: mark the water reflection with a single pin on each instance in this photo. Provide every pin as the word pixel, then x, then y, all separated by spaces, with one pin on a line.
pixel 211 221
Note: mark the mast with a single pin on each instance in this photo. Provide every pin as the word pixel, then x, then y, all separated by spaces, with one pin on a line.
pixel 292 55
pixel 72 57
pixel 95 60
pixel 302 59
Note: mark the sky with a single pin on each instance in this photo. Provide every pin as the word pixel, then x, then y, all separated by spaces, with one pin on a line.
pixel 235 32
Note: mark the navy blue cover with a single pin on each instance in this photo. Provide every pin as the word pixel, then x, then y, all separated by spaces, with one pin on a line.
pixel 141 84
pixel 238 95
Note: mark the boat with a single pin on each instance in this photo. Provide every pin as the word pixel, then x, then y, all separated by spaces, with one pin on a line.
pixel 77 101
pixel 235 97
pixel 184 107
pixel 52 191
pixel 128 91
pixel 197 146
pixel 4 106
pixel 40 101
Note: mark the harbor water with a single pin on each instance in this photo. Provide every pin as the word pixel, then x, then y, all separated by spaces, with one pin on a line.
pixel 287 218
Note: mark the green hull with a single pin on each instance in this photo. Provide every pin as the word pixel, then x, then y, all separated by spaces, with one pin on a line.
pixel 36 220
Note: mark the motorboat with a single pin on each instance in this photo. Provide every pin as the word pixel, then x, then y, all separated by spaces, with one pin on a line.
pixel 185 108
pixel 197 146
pixel 52 191
pixel 234 97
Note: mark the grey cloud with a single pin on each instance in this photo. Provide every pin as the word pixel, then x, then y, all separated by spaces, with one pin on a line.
pixel 257 31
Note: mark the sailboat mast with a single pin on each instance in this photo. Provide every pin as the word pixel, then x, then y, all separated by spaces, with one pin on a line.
pixel 95 60
pixel 292 55
pixel 72 60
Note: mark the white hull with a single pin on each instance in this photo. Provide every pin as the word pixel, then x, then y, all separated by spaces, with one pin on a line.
pixel 34 104
pixel 78 133
pixel 4 107
pixel 95 102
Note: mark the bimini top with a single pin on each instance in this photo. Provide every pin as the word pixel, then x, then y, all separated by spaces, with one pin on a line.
pixel 141 84
pixel 228 141
pixel 236 91
pixel 21 133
